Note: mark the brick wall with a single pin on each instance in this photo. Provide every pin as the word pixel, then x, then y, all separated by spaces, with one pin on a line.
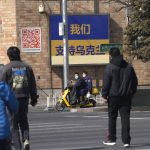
pixel 7 27
pixel 16 14
pixel 117 20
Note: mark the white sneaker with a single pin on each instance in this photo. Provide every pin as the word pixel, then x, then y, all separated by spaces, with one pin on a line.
pixel 26 145
pixel 109 142
pixel 126 145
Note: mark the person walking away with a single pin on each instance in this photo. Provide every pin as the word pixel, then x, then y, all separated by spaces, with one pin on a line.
pixel 20 77
pixel 119 86
pixel 9 102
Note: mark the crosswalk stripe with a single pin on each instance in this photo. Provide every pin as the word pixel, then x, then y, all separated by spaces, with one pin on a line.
pixel 64 127
pixel 53 125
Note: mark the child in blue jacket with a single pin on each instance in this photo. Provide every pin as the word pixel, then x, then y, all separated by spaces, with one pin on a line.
pixel 7 101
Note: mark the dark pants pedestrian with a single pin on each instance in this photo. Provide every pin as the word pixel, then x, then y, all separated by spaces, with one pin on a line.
pixel 5 144
pixel 20 123
pixel 124 110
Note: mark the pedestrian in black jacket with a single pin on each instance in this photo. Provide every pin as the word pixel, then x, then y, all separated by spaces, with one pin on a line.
pixel 119 86
pixel 20 77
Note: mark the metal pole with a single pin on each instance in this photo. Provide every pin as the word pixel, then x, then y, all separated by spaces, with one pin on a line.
pixel 49 53
pixel 65 42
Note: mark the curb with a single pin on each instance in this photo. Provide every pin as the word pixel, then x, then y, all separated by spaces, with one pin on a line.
pixel 90 109
pixel 72 110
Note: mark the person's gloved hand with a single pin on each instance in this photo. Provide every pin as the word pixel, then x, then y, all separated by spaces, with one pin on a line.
pixel 33 102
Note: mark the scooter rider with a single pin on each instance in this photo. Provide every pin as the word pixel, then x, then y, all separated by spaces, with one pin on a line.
pixel 78 87
pixel 88 81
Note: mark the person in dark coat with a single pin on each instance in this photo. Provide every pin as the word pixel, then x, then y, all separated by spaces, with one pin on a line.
pixel 21 79
pixel 119 86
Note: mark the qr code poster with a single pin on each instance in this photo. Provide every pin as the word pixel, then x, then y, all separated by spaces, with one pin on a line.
pixel 31 39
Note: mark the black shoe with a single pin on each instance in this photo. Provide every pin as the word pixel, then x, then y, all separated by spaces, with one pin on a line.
pixel 109 142
pixel 72 103
pixel 82 103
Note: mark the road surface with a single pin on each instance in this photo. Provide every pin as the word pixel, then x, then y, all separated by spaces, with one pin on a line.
pixel 83 131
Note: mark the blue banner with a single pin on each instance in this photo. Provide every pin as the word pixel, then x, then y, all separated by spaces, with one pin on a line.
pixel 81 27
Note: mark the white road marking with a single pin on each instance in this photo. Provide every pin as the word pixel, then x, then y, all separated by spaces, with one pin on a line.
pixel 63 127
pixel 53 125
pixel 140 118
pixel 34 124
pixel 106 117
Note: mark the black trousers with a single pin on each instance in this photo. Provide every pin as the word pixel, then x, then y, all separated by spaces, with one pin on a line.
pixel 5 144
pixel 20 124
pixel 124 111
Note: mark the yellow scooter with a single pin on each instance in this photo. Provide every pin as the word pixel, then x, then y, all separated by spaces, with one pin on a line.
pixel 64 102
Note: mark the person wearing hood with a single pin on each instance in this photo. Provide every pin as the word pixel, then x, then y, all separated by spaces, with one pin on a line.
pixel 9 102
pixel 20 77
pixel 119 86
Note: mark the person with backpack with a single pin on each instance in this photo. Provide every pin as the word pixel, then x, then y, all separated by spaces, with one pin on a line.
pixel 119 86
pixel 8 102
pixel 20 77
